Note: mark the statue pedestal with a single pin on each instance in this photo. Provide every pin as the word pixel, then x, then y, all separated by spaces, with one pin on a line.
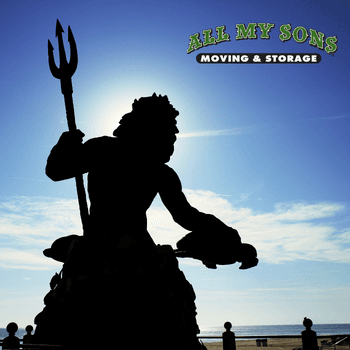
pixel 100 300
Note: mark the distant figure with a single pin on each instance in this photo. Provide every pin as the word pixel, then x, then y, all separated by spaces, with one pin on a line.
pixel 308 336
pixel 28 338
pixel 11 342
pixel 228 337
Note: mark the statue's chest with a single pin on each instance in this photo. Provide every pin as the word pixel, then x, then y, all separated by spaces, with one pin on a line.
pixel 123 181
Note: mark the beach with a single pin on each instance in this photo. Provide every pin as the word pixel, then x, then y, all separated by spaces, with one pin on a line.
pixel 324 332
pixel 273 344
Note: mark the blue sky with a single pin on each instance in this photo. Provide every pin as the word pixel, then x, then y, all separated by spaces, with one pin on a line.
pixel 262 146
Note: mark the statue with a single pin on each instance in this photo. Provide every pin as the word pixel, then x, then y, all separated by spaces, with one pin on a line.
pixel 115 279
pixel 116 267
pixel 28 337
pixel 11 341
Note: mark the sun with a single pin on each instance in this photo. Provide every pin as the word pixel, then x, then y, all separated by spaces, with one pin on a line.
pixel 100 116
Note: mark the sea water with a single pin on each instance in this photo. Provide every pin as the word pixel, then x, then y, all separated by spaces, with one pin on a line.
pixel 290 329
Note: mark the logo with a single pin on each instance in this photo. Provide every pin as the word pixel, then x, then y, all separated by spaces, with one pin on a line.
pixel 262 30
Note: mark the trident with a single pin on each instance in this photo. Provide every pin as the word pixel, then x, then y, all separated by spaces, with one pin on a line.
pixel 65 73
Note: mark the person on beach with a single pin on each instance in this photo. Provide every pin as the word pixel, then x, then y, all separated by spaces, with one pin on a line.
pixel 126 271
pixel 308 336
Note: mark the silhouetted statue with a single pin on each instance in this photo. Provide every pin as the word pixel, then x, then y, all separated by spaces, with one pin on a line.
pixel 217 244
pixel 115 276
pixel 28 338
pixel 308 336
pixel 11 342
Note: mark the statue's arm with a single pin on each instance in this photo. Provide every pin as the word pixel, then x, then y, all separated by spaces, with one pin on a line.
pixel 182 212
pixel 68 157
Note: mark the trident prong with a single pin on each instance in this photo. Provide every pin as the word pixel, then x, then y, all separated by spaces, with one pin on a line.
pixel 65 70
pixel 53 68
pixel 73 60
pixel 65 73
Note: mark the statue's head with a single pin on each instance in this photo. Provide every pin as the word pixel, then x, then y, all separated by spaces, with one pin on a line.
pixel 150 127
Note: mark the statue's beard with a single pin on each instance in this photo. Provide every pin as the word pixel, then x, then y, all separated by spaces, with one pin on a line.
pixel 166 153
pixel 159 151
pixel 163 153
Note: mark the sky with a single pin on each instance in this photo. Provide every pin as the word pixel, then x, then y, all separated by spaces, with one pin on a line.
pixel 263 146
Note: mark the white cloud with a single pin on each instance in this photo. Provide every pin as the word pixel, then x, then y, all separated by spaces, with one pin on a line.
pixel 27 260
pixel 39 217
pixel 29 225
pixel 290 232
pixel 247 129
pixel 327 118
pixel 211 133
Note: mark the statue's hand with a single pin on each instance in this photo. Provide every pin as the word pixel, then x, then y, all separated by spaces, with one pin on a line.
pixel 209 265
pixel 65 159
pixel 71 138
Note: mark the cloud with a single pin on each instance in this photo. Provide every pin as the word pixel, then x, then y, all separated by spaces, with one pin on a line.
pixel 328 117
pixel 29 225
pixel 211 133
pixel 26 260
pixel 40 218
pixel 248 129
pixel 289 232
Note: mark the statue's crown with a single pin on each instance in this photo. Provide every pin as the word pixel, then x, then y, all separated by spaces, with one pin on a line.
pixel 154 105
pixel 152 112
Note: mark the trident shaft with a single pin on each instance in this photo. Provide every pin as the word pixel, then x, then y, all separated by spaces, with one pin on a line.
pixel 65 73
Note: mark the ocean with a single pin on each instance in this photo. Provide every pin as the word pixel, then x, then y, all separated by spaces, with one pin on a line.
pixel 265 331
pixel 290 329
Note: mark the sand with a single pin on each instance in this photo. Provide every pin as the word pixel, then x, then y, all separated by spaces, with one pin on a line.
pixel 272 344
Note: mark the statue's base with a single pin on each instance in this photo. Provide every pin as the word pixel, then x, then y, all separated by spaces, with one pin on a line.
pixel 100 302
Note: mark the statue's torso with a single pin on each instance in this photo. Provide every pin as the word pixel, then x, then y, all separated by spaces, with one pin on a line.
pixel 121 190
